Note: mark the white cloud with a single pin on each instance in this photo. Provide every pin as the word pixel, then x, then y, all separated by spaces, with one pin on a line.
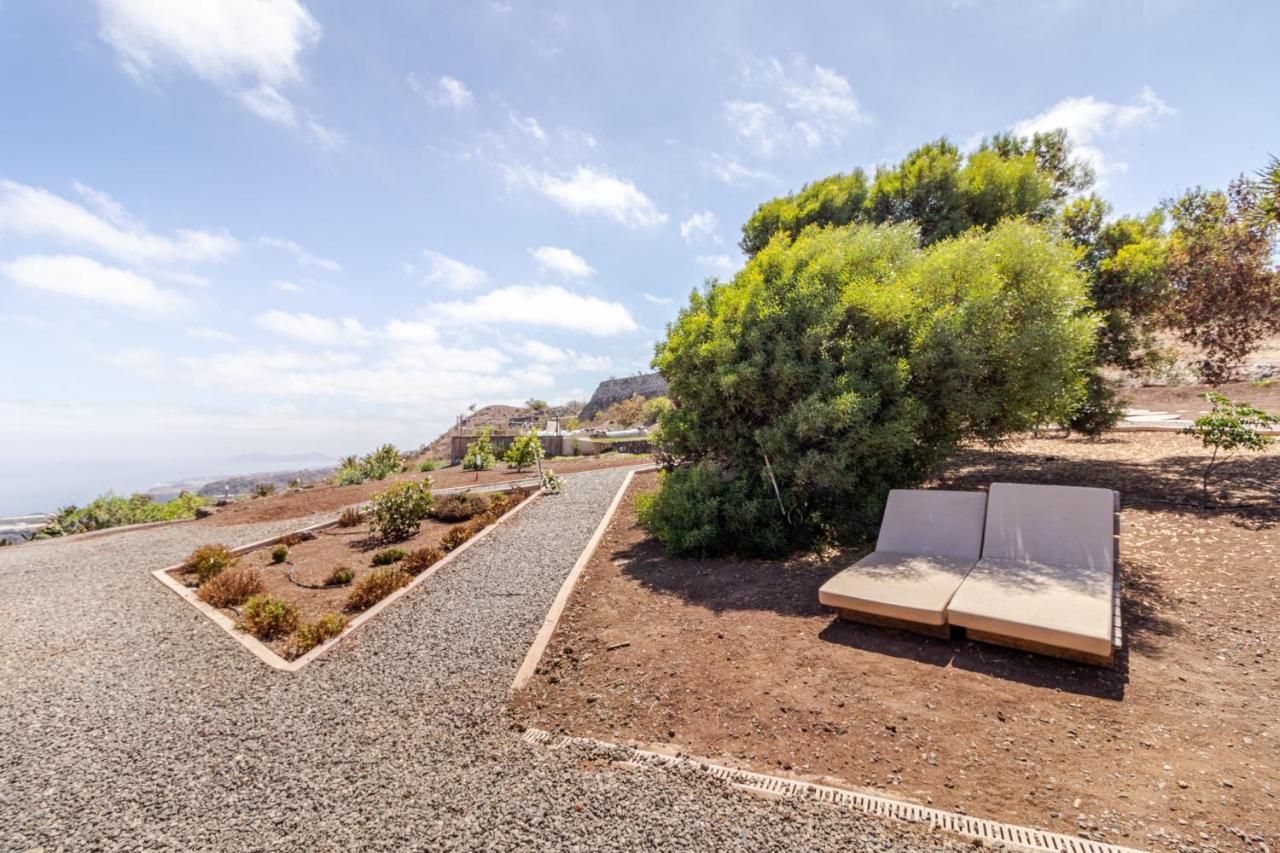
pixel 544 353
pixel 250 49
pixel 443 92
pixel 800 106
pixel 287 286
pixel 700 225
pixel 541 305
pixel 204 333
pixel 1091 122
pixel 658 300
pixel 85 278
pixel 35 212
pixel 590 191
pixel 305 259
pixel 453 274
pixel 419 332
pixel 562 261
pixel 313 329
pixel 529 126
pixel 731 172
pixel 719 263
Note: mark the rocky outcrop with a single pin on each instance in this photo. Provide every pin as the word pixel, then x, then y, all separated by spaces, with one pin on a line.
pixel 610 391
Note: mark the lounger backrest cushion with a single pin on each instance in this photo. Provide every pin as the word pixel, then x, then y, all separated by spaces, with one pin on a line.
pixel 933 523
pixel 1067 526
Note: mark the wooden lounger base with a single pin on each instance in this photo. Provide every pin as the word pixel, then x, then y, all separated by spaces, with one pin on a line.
pixel 1107 660
pixel 943 631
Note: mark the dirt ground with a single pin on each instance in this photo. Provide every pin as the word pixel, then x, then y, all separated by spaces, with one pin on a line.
pixel 1185 400
pixel 302 502
pixel 1175 747
pixel 311 562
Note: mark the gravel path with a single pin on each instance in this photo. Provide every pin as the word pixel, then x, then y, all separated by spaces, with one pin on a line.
pixel 129 721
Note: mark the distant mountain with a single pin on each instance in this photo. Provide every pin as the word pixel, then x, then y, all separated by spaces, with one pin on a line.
pixel 281 458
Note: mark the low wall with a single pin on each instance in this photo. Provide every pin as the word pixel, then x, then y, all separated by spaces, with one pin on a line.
pixel 552 445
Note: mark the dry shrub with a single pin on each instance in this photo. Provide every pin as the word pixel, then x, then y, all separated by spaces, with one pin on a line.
pixel 462 506
pixel 417 562
pixel 311 634
pixel 459 533
pixel 292 539
pixel 375 586
pixel 350 517
pixel 208 561
pixel 231 587
pixel 267 616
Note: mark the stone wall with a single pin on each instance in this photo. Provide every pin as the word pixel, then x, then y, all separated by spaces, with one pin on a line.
pixel 610 391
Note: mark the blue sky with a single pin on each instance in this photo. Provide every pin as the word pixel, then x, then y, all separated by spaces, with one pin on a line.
pixel 281 226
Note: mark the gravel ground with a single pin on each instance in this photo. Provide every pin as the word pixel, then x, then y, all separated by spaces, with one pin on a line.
pixel 129 721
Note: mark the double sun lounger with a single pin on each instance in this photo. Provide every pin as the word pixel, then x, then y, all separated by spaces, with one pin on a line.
pixel 1031 567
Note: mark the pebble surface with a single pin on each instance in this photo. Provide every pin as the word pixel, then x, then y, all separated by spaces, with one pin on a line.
pixel 128 721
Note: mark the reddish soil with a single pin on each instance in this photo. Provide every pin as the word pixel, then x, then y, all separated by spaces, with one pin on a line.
pixel 303 502
pixel 1185 400
pixel 735 661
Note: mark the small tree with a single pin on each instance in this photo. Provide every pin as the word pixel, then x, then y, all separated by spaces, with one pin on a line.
pixel 524 452
pixel 1228 429
pixel 480 455
pixel 536 404
pixel 399 510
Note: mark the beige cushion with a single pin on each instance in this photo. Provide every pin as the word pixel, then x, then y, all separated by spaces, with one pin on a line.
pixel 935 522
pixel 1067 607
pixel 910 587
pixel 1057 525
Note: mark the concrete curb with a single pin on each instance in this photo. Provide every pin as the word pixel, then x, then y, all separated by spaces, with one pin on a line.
pixel 539 647
pixel 269 657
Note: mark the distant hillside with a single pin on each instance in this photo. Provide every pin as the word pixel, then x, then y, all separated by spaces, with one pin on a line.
pixel 610 391
pixel 498 419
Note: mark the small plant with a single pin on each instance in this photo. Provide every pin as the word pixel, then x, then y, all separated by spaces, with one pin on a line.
pixel 350 517
pixel 280 553
pixel 552 483
pixel 398 512
pixel 381 463
pixel 267 617
pixel 209 561
pixel 340 576
pixel 375 586
pixel 480 455
pixel 524 452
pixel 417 562
pixel 1266 382
pixel 311 634
pixel 389 556
pixel 459 533
pixel 295 483
pixel 459 506
pixel 574 447
pixel 263 489
pixel 1228 429
pixel 231 587
pixel 428 465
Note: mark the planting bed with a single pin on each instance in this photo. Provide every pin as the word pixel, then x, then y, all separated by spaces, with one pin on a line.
pixel 736 662
pixel 305 577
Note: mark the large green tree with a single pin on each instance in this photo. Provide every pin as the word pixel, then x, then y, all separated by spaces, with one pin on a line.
pixel 850 361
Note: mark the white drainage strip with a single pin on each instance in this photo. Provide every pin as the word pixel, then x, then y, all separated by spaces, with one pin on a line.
pixel 988 831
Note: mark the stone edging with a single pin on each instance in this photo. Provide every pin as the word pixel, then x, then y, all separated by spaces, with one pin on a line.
pixel 261 650
pixel 534 655
pixel 1009 836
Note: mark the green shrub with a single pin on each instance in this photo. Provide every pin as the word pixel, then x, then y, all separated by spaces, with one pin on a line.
pixel 417 562
pixel 389 556
pixel 295 483
pixel 280 553
pixel 398 512
pixel 263 489
pixel 524 452
pixel 340 576
pixel 375 586
pixel 208 561
pixel 552 483
pixel 851 362
pixel 459 506
pixel 267 617
pixel 428 465
pixel 350 517
pixel 231 587
pixel 109 510
pixel 1100 409
pixel 381 463
pixel 574 447
pixel 348 476
pixel 311 634
pixel 653 410
pixel 1229 428
pixel 480 455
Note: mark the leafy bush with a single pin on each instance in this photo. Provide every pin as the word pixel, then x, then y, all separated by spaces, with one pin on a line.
pixel 208 561
pixel 850 362
pixel 350 517
pixel 480 455
pixel 295 483
pixel 349 475
pixel 524 452
pixel 263 489
pixel 653 410
pixel 280 553
pixel 552 483
pixel 428 465
pixel 231 587
pixel 389 556
pixel 267 616
pixel 311 634
pixel 109 510
pixel 417 562
pixel 375 586
pixel 1099 410
pixel 398 512
pixel 377 465
pixel 1229 428
pixel 459 533
pixel 459 506
pixel 340 576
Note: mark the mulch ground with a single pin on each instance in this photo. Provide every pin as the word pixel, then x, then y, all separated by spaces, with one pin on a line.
pixel 735 661
pixel 303 502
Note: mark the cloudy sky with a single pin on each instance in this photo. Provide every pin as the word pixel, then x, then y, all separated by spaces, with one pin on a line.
pixel 284 226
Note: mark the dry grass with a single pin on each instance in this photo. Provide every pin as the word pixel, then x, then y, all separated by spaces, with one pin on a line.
pixel 417 562
pixel 267 617
pixel 311 634
pixel 231 587
pixel 208 561
pixel 375 586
